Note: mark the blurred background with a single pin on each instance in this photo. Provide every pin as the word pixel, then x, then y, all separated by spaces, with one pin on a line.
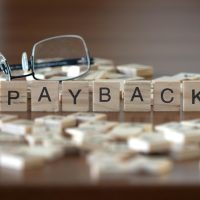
pixel 164 34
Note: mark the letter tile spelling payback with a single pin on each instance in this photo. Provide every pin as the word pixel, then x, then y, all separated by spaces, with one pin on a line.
pixel 45 96
pixel 137 96
pixel 191 96
pixel 18 127
pixel 13 96
pixel 179 133
pixel 88 116
pixel 75 96
pixel 106 96
pixel 151 142
pixel 166 96
pixel 56 123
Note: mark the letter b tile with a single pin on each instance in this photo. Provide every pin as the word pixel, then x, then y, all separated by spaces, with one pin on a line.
pixel 106 96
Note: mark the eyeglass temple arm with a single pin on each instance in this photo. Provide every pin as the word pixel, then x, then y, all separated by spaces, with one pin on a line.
pixel 41 65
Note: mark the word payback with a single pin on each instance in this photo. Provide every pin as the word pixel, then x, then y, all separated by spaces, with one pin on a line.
pixel 106 96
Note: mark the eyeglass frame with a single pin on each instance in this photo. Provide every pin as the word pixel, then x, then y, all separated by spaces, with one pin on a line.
pixel 30 65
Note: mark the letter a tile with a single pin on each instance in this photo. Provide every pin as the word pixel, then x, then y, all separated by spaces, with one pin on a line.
pixel 191 96
pixel 137 96
pixel 13 96
pixel 106 96
pixel 45 96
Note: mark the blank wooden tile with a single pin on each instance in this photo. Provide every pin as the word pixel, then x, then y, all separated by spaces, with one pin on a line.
pixel 75 96
pixel 166 96
pixel 106 96
pixel 13 96
pixel 45 96
pixel 191 96
pixel 137 96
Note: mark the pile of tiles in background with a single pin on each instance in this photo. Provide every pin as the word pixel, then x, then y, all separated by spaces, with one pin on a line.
pixel 112 149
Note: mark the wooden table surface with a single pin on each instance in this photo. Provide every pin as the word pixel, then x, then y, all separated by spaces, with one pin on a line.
pixel 164 34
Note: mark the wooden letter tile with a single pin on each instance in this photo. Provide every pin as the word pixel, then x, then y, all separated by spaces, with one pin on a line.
pixel 106 96
pixel 191 96
pixel 75 96
pixel 45 96
pixel 137 96
pixel 13 96
pixel 166 96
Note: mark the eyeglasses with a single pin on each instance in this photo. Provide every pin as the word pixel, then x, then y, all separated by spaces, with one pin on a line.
pixel 64 57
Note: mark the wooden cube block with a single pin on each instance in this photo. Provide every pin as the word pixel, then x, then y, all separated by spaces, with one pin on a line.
pixel 13 96
pixel 137 96
pixel 106 96
pixel 75 96
pixel 166 96
pixel 191 96
pixel 45 96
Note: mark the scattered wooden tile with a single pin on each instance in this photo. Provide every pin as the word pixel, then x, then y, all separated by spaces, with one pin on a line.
pixel 136 70
pixel 56 123
pixel 99 126
pixel 7 117
pixel 185 152
pixel 123 131
pixel 18 127
pixel 149 143
pixel 179 133
pixel 88 116
pixel 18 159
